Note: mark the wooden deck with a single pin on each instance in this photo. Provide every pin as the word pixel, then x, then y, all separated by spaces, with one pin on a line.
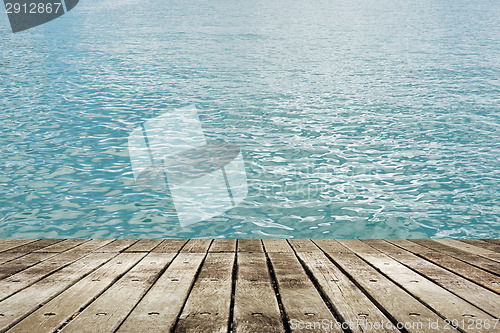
pixel 270 285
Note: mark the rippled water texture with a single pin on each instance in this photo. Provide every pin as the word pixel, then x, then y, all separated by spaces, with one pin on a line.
pixel 370 118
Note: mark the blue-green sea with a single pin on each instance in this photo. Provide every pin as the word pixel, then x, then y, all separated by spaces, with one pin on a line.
pixel 356 119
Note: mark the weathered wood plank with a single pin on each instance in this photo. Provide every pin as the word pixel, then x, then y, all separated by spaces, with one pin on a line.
pixel 457 266
pixel 483 244
pixel 208 305
pixel 62 246
pixel 438 298
pixel 276 245
pixel 483 298
pixel 494 241
pixel 250 245
pixel 304 245
pixel 6 257
pixel 56 261
pixel 110 309
pixel 223 245
pixel 173 245
pixel 144 245
pixel 27 277
pixel 331 246
pixel 117 245
pixel 21 304
pixel 301 301
pixel 278 285
pixel 465 256
pixel 34 246
pixel 92 245
pixel 21 263
pixel 8 244
pixel 158 310
pixel 255 304
pixel 397 303
pixel 56 312
pixel 353 306
pixel 197 246
pixel 471 248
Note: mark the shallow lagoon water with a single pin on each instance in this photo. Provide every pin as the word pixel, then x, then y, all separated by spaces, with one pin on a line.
pixel 356 119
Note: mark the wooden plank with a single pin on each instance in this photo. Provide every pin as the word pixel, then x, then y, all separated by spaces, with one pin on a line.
pixel 170 245
pixel 56 312
pixel 30 275
pixel 21 263
pixel 457 266
pixel 196 246
pixel 494 241
pixel 144 245
pixel 441 300
pixel 467 257
pixel 62 246
pixel 250 245
pixel 301 301
pixel 8 244
pixel 223 245
pixel 484 299
pixel 304 245
pixel 34 246
pixel 353 306
pixel 158 310
pixel 255 304
pixel 471 248
pixel 482 243
pixel 276 245
pixel 331 246
pixel 6 257
pixel 92 245
pixel 395 302
pixel 117 245
pixel 208 305
pixel 110 309
pixel 21 304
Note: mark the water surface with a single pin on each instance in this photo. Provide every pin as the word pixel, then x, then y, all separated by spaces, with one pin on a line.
pixel 356 118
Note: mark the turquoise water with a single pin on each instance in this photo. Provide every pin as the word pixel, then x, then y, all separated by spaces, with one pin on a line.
pixel 355 118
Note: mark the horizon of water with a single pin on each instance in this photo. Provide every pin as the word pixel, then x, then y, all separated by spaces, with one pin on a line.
pixel 364 119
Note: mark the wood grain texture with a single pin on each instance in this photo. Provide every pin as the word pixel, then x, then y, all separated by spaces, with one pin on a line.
pixel 277 245
pixel 160 307
pixel 33 246
pixel 110 309
pixel 223 245
pixel 170 245
pixel 352 305
pixel 144 245
pixel 467 290
pixel 396 302
pixel 250 245
pixel 117 245
pixel 482 243
pixel 255 302
pixel 207 307
pixel 473 273
pixel 8 244
pixel 23 303
pixel 422 288
pixel 62 246
pixel 492 255
pixel 468 257
pixel 56 312
pixel 301 300
pixel 249 285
